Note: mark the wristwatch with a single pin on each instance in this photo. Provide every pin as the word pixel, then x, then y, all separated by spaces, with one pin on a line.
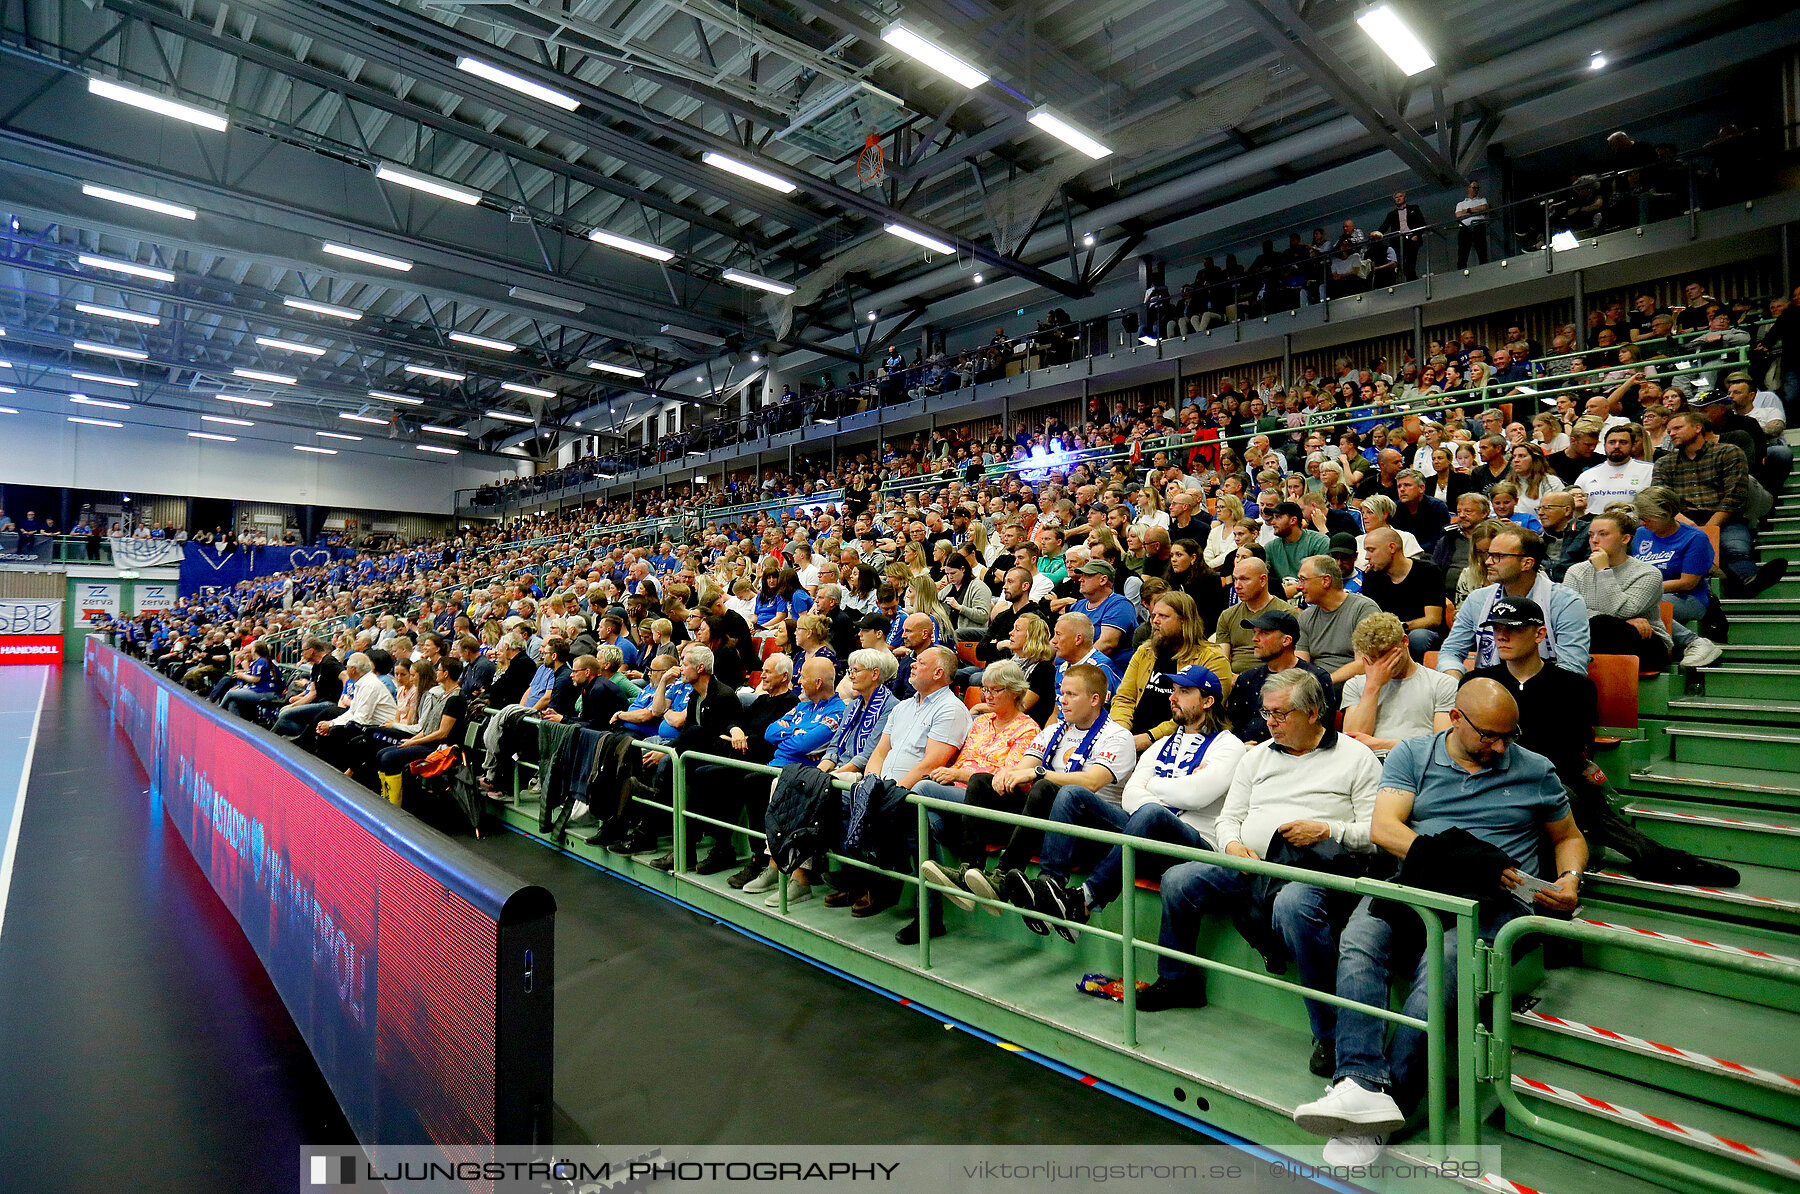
pixel 1041 770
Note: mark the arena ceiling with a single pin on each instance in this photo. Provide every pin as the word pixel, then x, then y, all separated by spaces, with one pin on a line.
pixel 534 128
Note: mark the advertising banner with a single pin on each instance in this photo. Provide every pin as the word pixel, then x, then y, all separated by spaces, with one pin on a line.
pixel 154 598
pixel 145 553
pixel 31 630
pixel 96 599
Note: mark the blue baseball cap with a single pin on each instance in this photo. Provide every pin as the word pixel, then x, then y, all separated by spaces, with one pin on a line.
pixel 1195 675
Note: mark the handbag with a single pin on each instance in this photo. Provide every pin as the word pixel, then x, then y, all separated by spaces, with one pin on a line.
pixel 437 763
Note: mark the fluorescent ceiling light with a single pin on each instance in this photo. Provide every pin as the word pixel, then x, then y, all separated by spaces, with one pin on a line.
pixel 94 422
pixel 424 182
pixel 363 255
pixel 242 400
pixel 403 399
pixel 506 416
pixel 280 379
pixel 435 448
pixel 675 329
pixel 534 391
pixel 1067 133
pixel 745 170
pixel 936 57
pixel 118 313
pixel 84 400
pixel 1598 61
pixel 104 379
pixel 355 439
pixel 757 281
pixel 108 350
pixel 621 370
pixel 919 238
pixel 227 420
pixel 601 236
pixel 371 420
pixel 151 102
pixel 226 439
pixel 434 428
pixel 315 451
pixel 1387 30
pixel 94 191
pixel 322 308
pixel 484 342
pixel 7 410
pixel 1565 240
pixel 125 267
pixel 545 300
pixel 428 371
pixel 7 390
pixel 311 350
pixel 518 83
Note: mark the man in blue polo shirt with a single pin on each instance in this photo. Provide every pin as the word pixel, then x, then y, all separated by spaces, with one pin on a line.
pixel 1113 618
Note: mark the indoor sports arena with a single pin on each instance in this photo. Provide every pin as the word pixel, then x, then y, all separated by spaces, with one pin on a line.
pixel 937 595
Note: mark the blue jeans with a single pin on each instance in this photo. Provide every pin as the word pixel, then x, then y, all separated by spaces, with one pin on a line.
pixel 1158 823
pixel 243 701
pixel 1686 609
pixel 1420 641
pixel 1075 806
pixel 299 719
pixel 969 675
pixel 1738 549
pixel 1366 964
pixel 1192 889
pixel 933 818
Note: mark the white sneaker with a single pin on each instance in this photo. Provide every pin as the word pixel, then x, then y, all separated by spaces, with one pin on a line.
pixel 580 814
pixel 796 893
pixel 1701 652
pixel 1345 1151
pixel 763 882
pixel 1350 1109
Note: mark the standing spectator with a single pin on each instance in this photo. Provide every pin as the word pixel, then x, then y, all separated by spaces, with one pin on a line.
pixel 1407 221
pixel 1471 226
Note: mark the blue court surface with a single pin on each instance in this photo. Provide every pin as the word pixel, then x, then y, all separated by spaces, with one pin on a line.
pixel 21 704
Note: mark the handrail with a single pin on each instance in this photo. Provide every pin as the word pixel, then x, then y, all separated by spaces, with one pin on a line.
pixel 1687 1176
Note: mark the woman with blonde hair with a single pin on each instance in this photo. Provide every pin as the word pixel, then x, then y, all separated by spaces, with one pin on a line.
pixel 922 598
pixel 1150 509
pixel 1221 544
pixel 1029 644
pixel 1378 511
pixel 1475 575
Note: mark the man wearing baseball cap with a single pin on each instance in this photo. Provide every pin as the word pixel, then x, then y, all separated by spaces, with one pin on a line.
pixel 1173 796
pixel 1274 634
pixel 1113 618
pixel 1293 542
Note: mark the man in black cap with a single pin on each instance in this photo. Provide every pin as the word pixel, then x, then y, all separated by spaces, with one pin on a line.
pixel 1293 542
pixel 1274 633
pixel 1343 550
pixel 1558 710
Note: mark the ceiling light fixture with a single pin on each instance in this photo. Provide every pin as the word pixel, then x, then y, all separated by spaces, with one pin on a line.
pixel 437 449
pixel 322 308
pixel 978 279
pixel 118 313
pixel 224 439
pixel 1067 133
pixel 355 439
pixel 533 391
pixel 436 430
pixel 84 400
pixel 1387 30
pixel 545 300
pixel 94 422
pixel 919 238
pixel 103 379
pixel 403 399
pixel 1597 61
pixel 371 420
pixel 368 258
pixel 518 83
pixel 918 48
pixel 8 410
pixel 621 370
pixel 315 451
pixel 443 374
pixel 280 379
pixel 506 416
pixel 109 350
pixel 125 267
pixel 242 400
pixel 757 281
pixel 484 342
pixel 601 236
pixel 227 420
pixel 95 191
pixel 745 170
pixel 151 102
pixel 424 182
pixel 311 350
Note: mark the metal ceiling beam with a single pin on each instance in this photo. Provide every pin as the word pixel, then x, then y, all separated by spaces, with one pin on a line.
pixel 1284 30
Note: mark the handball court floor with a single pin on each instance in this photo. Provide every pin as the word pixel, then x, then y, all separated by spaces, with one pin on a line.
pixel 143 1048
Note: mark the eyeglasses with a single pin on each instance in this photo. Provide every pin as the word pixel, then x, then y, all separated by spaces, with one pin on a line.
pixel 1503 555
pixel 1497 738
pixel 1275 715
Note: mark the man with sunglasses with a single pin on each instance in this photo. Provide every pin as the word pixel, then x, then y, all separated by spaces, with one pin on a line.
pixel 1515 561
pixel 1467 786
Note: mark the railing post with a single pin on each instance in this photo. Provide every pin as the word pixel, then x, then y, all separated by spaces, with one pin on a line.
pixel 1128 930
pixel 924 895
pixel 1468 993
pixel 678 802
pixel 1437 1090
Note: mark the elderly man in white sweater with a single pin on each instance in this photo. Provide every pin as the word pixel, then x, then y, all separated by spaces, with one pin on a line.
pixel 371 704
pixel 1308 787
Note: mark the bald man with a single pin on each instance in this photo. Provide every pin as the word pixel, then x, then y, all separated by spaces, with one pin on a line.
pixel 1470 777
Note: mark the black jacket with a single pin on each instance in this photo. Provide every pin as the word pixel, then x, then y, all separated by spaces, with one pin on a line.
pixel 804 816
pixel 510 686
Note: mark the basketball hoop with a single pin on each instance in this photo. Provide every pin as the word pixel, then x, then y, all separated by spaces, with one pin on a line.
pixel 871 161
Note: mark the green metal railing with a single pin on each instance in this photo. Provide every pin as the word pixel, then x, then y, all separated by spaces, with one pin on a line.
pixel 1686 1175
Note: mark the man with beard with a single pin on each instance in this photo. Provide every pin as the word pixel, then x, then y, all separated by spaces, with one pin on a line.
pixel 1275 632
pixel 1177 640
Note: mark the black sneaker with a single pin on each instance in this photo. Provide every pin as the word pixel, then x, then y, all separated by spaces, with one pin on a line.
pixel 1324 1059
pixel 1053 900
pixel 1020 895
pixel 665 862
pixel 1699 872
pixel 751 870
pixel 638 841
pixel 1767 575
pixel 718 859
pixel 908 933
pixel 1164 994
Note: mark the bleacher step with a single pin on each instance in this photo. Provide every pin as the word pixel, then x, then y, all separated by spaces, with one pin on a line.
pixel 1728 709
pixel 1747 608
pixel 1774 749
pixel 1753 682
pixel 1710 935
pixel 1767 628
pixel 1779 654
pixel 1688 1041
pixel 1764 896
pixel 1720 831
pixel 1763 1153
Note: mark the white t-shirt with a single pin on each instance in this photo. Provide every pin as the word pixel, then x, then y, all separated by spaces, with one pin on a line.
pixel 1609 482
pixel 1472 213
pixel 1766 408
pixel 1113 748
pixel 1405 708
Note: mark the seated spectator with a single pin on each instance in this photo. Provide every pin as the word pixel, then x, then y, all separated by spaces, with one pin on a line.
pixel 1622 595
pixel 1274 634
pixel 259 684
pixel 1250 584
pixel 1292 543
pixel 371 704
pixel 1415 514
pixel 1683 556
pixel 966 598
pixel 1304 799
pixel 1328 620
pixel 1514 561
pixel 1455 551
pixel 1711 482
pixel 1073 642
pixel 1178 640
pixel 1172 796
pixel 1504 499
pixel 1618 477
pixel 1395 697
pixel 324 688
pixel 1412 590
pixel 1377 513
pixel 1467 777
pixel 441 724
pixel 1764 409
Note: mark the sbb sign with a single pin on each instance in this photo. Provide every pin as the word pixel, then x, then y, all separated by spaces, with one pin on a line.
pixel 31 631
